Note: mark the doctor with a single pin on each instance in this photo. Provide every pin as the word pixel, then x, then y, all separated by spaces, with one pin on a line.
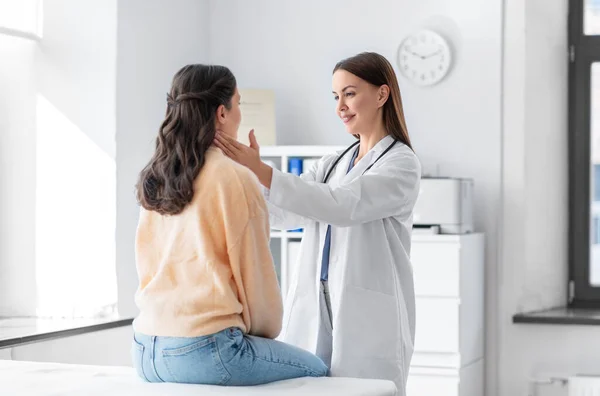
pixel 351 300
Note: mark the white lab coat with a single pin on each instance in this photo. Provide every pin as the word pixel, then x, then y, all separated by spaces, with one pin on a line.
pixel 370 274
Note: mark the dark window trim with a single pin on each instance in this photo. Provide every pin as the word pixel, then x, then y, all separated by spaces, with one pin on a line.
pixel 32 334
pixel 583 51
pixel 19 33
pixel 560 316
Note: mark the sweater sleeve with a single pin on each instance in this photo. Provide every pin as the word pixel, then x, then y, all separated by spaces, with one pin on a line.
pixel 250 256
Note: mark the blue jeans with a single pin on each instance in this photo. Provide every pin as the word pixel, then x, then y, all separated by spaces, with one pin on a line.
pixel 225 358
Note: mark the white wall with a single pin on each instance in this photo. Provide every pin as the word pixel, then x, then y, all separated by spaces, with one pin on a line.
pixel 76 65
pixel 291 47
pixel 535 187
pixel 5 354
pixel 76 169
pixel 17 177
pixel 155 39
pixel 107 348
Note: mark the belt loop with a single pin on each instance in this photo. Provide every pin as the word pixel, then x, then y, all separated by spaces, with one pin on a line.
pixel 152 343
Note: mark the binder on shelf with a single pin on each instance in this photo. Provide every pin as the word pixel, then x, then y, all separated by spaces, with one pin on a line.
pixel 295 166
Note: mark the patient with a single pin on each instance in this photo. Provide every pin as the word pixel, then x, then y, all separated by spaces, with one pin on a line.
pixel 210 306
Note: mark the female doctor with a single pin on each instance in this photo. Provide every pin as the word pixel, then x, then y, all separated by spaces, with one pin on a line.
pixel 351 299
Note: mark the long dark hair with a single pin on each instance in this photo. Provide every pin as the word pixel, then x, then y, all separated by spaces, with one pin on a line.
pixel 166 184
pixel 377 70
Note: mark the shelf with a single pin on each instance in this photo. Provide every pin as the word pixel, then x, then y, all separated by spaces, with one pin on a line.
pixel 287 234
pixel 298 151
pixel 418 236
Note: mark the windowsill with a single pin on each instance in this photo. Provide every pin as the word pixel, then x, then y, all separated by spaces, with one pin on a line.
pixel 19 33
pixel 19 331
pixel 560 316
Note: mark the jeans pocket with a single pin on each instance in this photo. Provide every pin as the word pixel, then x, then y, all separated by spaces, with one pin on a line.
pixel 137 359
pixel 196 363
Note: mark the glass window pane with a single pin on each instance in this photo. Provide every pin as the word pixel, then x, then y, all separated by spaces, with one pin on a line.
pixel 595 176
pixel 591 17
pixel 22 15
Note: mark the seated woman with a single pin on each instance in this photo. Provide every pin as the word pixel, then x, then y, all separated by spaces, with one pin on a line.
pixel 210 306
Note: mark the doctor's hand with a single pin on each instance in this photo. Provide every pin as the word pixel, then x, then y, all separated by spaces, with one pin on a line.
pixel 244 155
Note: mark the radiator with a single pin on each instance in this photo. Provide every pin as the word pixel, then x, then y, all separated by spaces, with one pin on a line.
pixel 583 386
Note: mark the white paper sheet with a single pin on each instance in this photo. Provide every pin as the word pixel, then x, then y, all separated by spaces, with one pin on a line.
pixel 258 113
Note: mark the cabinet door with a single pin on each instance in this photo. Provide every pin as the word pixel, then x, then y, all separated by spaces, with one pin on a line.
pixel 105 348
pixel 437 326
pixel 466 381
pixel 432 385
pixel 436 268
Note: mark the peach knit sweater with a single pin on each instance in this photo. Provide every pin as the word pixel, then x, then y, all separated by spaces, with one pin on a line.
pixel 209 267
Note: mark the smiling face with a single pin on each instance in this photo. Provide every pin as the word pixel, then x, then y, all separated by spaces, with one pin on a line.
pixel 358 102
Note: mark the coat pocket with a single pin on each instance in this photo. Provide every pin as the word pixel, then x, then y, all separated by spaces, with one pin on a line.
pixel 370 323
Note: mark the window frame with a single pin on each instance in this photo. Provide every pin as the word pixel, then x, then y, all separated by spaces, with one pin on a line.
pixel 584 50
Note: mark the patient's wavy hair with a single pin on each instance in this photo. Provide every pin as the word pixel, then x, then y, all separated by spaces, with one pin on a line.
pixel 166 184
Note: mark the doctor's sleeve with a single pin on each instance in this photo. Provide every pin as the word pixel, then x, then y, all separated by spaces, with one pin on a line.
pixel 285 220
pixel 388 189
pixel 281 219
pixel 254 274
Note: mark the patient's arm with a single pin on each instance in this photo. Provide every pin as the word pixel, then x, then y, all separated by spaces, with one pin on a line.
pixel 258 288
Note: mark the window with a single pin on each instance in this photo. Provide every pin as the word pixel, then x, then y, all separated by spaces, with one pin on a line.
pixel 21 18
pixel 592 17
pixel 584 153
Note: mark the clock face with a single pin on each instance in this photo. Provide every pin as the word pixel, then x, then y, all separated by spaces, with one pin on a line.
pixel 424 57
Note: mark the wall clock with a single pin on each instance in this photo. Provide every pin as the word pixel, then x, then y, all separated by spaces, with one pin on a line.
pixel 424 57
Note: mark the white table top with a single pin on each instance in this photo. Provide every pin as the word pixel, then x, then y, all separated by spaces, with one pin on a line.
pixel 45 379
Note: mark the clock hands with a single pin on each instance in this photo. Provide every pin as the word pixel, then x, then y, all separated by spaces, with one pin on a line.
pixel 423 56
pixel 415 54
pixel 430 55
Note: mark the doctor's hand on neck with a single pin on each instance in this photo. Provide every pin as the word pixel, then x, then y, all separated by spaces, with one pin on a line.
pixel 244 155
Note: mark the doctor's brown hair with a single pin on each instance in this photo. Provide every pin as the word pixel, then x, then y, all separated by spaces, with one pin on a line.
pixel 377 70
pixel 166 184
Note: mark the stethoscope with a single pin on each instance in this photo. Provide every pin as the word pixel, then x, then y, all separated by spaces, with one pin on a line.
pixel 338 159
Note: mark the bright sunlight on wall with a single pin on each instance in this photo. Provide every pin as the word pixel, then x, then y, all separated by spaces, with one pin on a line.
pixel 75 220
